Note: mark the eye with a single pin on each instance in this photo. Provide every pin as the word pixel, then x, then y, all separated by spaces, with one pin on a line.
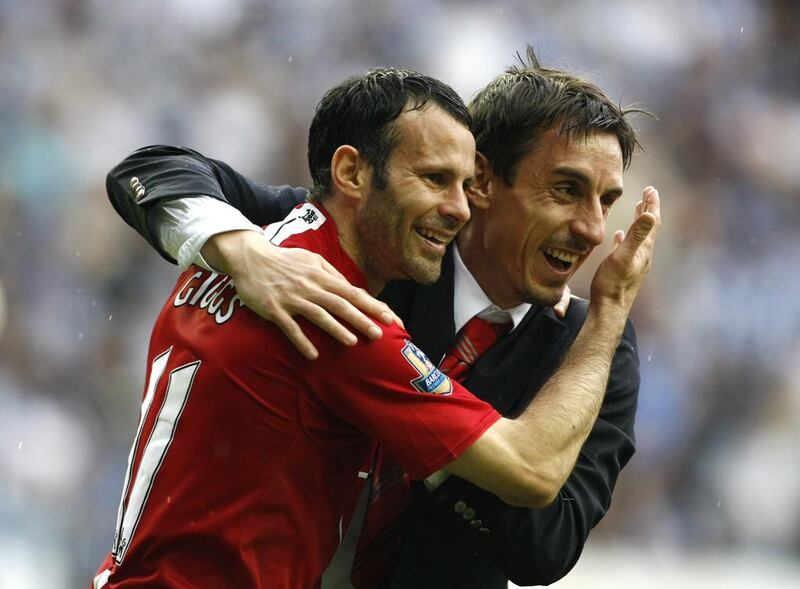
pixel 607 202
pixel 567 190
pixel 435 179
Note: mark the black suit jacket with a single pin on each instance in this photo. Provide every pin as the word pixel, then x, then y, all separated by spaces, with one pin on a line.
pixel 442 548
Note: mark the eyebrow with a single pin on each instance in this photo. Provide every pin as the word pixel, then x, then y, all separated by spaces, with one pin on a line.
pixel 582 178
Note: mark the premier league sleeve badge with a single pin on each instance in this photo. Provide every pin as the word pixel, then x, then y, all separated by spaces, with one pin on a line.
pixel 431 379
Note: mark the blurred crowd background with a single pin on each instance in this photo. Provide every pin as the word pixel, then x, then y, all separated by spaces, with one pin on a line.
pixel 83 82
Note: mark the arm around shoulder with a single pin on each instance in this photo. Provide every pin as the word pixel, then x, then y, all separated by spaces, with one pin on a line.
pixel 159 173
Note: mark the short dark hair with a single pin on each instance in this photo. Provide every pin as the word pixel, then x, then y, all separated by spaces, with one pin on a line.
pixel 361 111
pixel 510 114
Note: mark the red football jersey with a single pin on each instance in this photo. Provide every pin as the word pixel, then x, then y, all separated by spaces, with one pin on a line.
pixel 248 458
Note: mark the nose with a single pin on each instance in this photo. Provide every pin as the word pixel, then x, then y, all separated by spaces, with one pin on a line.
pixel 590 223
pixel 455 205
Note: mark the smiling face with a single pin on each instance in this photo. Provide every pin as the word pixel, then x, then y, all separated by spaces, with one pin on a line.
pixel 405 227
pixel 538 231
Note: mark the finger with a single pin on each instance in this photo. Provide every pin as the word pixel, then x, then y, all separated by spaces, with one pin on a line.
pixel 327 322
pixel 652 201
pixel 347 312
pixel 627 246
pixel 353 305
pixel 292 331
pixel 364 302
pixel 647 219
pixel 330 269
pixel 372 306
pixel 561 306
pixel 641 227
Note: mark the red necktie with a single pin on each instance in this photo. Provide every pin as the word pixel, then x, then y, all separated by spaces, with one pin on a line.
pixel 474 339
pixel 379 542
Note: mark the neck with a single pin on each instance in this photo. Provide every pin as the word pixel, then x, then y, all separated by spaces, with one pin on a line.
pixel 481 266
pixel 345 220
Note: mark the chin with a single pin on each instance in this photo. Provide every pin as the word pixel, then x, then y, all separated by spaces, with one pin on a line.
pixel 425 276
pixel 544 297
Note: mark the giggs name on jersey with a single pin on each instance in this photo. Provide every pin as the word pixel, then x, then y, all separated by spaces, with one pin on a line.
pixel 210 291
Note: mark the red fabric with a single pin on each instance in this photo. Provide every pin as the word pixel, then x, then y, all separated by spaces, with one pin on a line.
pixel 474 340
pixel 379 542
pixel 245 465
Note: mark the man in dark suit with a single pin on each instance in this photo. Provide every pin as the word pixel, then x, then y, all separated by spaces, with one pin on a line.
pixel 552 149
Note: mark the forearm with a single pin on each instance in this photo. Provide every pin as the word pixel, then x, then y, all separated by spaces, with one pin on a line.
pixel 551 431
pixel 526 460
pixel 232 252
pixel 539 546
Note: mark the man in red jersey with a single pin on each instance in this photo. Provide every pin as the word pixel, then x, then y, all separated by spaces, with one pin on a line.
pixel 248 458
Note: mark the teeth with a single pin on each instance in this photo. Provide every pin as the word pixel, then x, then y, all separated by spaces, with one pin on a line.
pixel 432 236
pixel 561 255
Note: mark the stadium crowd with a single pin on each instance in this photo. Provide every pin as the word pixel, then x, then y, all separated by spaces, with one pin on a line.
pixel 83 83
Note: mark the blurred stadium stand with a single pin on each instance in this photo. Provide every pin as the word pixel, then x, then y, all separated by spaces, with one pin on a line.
pixel 712 497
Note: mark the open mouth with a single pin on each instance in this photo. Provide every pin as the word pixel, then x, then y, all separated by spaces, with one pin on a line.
pixel 559 259
pixel 433 238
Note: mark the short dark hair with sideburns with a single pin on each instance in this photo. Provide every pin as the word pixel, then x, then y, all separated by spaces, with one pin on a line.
pixel 361 111
pixel 510 114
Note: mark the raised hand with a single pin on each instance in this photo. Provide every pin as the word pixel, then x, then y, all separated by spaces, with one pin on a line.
pixel 620 275
pixel 280 283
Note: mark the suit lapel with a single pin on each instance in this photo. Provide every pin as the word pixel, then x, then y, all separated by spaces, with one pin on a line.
pixel 509 374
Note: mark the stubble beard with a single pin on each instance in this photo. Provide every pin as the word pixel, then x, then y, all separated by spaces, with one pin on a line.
pixel 387 248
pixel 423 271
pixel 543 297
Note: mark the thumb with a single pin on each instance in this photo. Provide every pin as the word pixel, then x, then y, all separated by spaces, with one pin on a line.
pixel 637 234
pixel 641 228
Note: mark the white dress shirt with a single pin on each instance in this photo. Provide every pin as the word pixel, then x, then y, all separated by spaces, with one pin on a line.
pixel 470 300
pixel 183 226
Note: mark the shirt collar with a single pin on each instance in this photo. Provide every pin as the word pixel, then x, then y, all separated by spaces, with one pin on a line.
pixel 470 300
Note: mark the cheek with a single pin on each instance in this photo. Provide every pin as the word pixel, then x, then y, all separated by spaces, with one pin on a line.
pixel 504 242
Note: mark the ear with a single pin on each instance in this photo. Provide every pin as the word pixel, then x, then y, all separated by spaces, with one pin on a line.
pixel 350 174
pixel 480 191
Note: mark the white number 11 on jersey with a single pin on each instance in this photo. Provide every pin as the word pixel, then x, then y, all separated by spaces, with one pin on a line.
pixel 155 448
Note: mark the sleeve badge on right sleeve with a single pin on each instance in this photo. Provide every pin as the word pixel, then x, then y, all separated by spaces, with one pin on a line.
pixel 431 379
